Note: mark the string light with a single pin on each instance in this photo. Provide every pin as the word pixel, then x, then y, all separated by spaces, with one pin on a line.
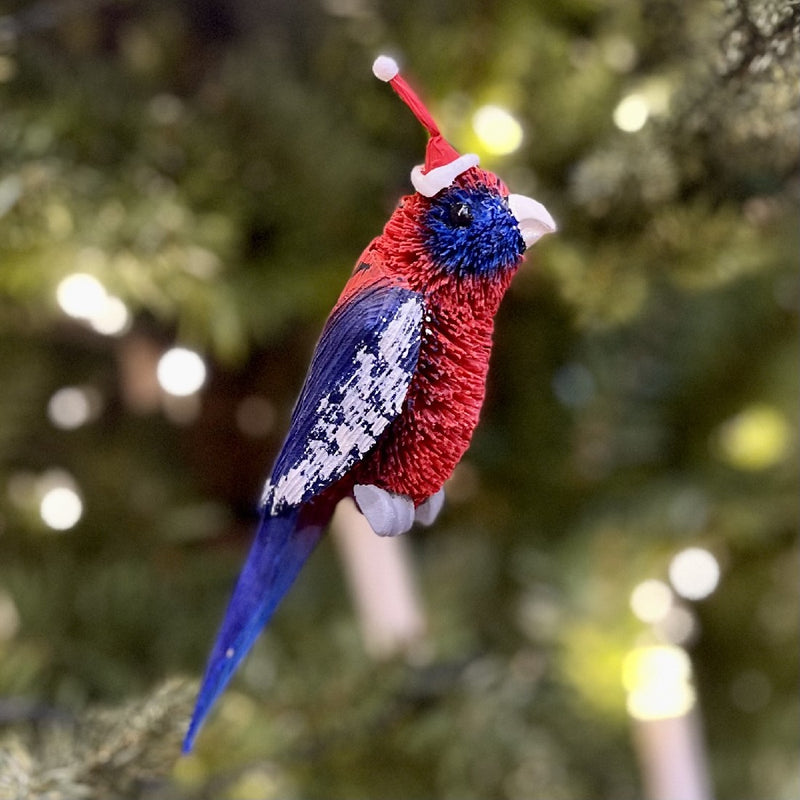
pixel 679 626
pixel 112 318
pixel 181 372
pixel 81 295
pixel 651 601
pixel 61 508
pixel 499 132
pixel 658 681
pixel 73 406
pixel 694 573
pixel 68 408
pixel 631 113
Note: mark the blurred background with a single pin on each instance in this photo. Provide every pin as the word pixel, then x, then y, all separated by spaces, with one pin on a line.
pixel 612 588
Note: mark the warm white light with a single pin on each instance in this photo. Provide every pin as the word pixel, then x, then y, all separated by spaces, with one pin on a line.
pixel 658 682
pixel 81 295
pixel 112 318
pixel 694 573
pixel 181 372
pixel 631 113
pixel 61 508
pixel 651 601
pixel 498 130
pixel 69 408
pixel 679 626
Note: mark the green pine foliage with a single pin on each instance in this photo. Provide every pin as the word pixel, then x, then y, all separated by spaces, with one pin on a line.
pixel 218 167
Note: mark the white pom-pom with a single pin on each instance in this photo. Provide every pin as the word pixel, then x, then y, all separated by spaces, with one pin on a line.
pixel 385 68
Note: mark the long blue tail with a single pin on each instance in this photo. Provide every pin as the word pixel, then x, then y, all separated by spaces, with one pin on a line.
pixel 281 547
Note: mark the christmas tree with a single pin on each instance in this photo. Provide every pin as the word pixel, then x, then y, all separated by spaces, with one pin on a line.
pixel 184 189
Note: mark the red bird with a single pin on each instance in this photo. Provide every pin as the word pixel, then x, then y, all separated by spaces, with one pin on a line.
pixel 396 382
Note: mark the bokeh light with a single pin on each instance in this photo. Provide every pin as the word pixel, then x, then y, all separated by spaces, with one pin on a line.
pixel 755 439
pixel 619 53
pixel 651 600
pixel 658 681
pixel 69 408
pixel 694 573
pixel 73 406
pixel 499 132
pixel 112 318
pixel 679 626
pixel 81 295
pixel 181 372
pixel 61 508
pixel 631 113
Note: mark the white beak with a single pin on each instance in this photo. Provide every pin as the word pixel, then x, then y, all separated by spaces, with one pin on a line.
pixel 533 218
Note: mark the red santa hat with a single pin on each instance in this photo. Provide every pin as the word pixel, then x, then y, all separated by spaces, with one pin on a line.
pixel 442 164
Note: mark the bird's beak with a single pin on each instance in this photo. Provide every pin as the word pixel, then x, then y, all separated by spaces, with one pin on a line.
pixel 533 218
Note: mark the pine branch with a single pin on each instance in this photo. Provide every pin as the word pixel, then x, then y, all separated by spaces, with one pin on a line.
pixel 108 753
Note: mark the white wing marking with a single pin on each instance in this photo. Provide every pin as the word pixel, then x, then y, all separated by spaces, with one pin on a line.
pixel 372 395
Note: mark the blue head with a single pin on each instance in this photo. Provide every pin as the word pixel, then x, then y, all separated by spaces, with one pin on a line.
pixel 469 230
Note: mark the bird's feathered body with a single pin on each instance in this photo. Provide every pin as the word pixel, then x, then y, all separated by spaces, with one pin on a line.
pixel 442 406
pixel 393 393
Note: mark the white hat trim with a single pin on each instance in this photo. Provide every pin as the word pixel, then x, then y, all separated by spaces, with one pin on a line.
pixel 432 182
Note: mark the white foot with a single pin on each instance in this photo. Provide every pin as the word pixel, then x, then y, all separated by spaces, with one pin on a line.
pixel 388 514
pixel 427 512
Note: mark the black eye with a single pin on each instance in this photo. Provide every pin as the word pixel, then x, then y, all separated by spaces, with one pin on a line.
pixel 460 215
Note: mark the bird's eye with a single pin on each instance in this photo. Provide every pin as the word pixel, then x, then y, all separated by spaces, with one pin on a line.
pixel 460 215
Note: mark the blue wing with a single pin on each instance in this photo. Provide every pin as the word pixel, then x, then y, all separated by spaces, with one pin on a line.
pixel 356 385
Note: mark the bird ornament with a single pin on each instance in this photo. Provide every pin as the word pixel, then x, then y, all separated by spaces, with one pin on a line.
pixel 396 382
